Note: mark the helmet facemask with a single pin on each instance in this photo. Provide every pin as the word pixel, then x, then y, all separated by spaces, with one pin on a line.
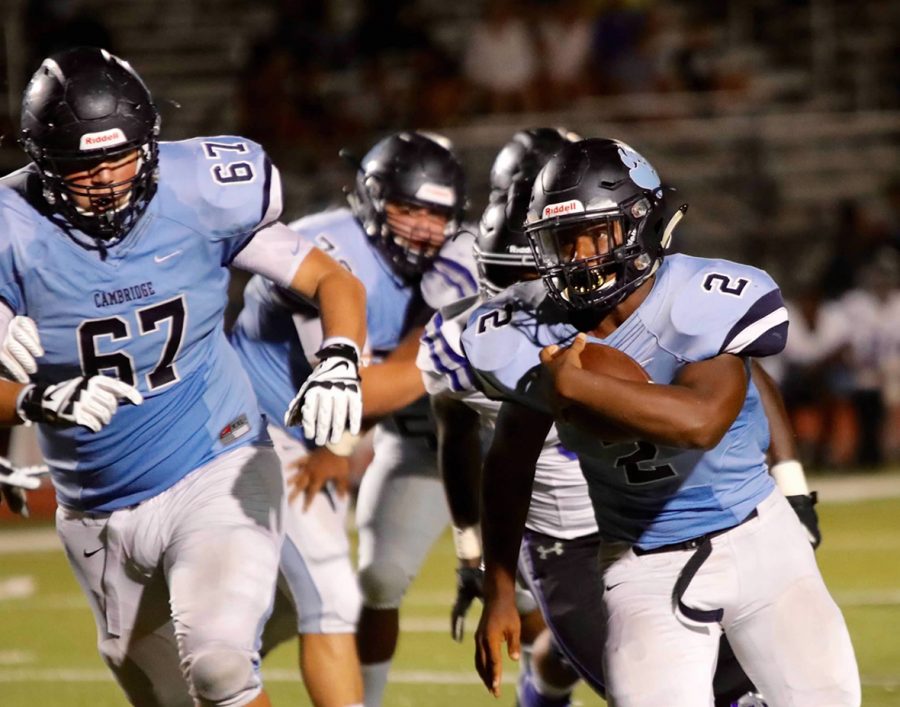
pixel 595 260
pixel 112 209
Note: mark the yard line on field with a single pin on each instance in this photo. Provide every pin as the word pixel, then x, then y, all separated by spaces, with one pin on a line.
pixel 276 675
pixel 857 487
pixel 286 675
pixel 29 541
pixel 18 587
pixel 868 597
pixel 17 657
pixel 54 602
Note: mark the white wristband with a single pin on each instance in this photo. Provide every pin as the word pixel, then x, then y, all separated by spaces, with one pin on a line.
pixel 467 542
pixel 790 478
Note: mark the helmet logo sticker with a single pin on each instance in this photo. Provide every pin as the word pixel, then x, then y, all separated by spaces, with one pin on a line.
pixel 572 206
pixel 639 169
pixel 104 138
pixel 436 193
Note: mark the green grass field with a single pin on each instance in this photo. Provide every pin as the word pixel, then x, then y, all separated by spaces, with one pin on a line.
pixel 48 657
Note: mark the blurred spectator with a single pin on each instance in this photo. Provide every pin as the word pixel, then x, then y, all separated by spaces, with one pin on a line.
pixel 618 33
pixel 872 313
pixel 855 240
pixel 565 33
pixel 501 60
pixel 816 381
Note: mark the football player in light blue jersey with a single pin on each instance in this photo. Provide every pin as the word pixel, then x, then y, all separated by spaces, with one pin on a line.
pixel 115 264
pixel 696 540
pixel 401 238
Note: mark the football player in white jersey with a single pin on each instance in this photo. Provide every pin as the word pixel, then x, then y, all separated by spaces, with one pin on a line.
pixel 682 500
pixel 115 264
pixel 399 237
pixel 503 257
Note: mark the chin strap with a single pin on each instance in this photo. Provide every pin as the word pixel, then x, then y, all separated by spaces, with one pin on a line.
pixel 673 223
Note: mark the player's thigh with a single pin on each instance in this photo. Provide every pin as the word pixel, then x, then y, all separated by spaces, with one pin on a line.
pixel 786 630
pixel 652 655
pixel 135 636
pixel 401 509
pixel 565 578
pixel 222 556
pixel 316 565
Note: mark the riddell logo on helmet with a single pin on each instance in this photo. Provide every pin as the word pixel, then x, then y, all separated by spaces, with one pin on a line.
pixel 105 138
pixel 572 206
pixel 436 194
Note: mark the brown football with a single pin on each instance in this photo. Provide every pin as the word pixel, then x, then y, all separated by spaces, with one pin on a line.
pixel 599 358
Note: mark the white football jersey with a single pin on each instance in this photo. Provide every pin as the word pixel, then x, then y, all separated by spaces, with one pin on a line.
pixel 560 505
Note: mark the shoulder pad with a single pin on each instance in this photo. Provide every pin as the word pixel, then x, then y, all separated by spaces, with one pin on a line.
pixel 226 184
pixel 723 307
pixel 453 275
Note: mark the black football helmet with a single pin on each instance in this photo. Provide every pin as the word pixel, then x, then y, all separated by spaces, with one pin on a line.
pixel 604 194
pixel 409 168
pixel 81 107
pixel 502 250
pixel 526 149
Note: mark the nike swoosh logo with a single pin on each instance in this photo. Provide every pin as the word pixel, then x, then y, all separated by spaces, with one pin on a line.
pixel 612 586
pixel 164 258
pixel 92 552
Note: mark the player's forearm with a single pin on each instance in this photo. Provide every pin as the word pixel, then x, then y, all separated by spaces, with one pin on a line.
pixel 506 483
pixel 782 446
pixel 9 394
pixel 342 304
pixel 395 382
pixel 506 493
pixel 459 457
pixel 672 415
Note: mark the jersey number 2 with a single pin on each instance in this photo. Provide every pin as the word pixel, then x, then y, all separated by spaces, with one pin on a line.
pixel 117 329
pixel 637 476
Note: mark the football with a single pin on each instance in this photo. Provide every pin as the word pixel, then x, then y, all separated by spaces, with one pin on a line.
pixel 599 358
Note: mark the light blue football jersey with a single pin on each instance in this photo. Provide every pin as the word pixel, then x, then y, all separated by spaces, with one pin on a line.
pixel 643 493
pixel 265 334
pixel 148 310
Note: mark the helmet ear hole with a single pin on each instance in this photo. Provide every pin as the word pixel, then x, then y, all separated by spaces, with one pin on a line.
pixel 373 186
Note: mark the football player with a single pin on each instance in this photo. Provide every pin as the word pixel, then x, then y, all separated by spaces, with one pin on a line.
pixel 696 540
pixel 503 257
pixel 560 531
pixel 399 236
pixel 117 250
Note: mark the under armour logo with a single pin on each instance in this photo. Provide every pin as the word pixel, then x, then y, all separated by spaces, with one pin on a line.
pixel 556 548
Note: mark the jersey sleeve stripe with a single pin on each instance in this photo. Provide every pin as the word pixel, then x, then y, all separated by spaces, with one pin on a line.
pixel 445 360
pixel 271 202
pixel 766 305
pixel 764 337
pixel 458 276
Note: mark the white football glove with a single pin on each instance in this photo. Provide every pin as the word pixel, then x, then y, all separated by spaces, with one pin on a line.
pixel 330 400
pixel 90 402
pixel 20 348
pixel 13 482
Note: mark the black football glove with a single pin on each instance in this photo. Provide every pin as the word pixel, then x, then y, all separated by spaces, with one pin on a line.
pixel 14 480
pixel 804 507
pixel 469 587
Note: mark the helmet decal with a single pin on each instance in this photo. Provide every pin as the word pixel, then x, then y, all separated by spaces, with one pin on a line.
pixel 639 169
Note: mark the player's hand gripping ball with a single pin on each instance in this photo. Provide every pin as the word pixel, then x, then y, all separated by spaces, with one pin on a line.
pixel 599 358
